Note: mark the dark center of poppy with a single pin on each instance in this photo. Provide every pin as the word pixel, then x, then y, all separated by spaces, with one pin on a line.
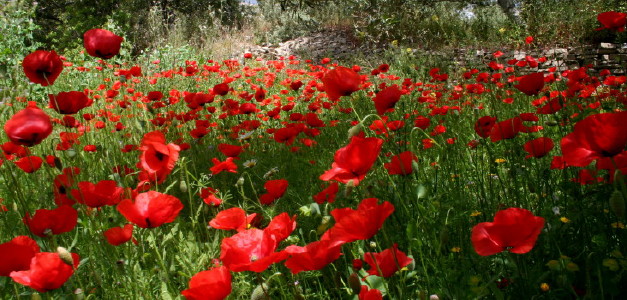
pixel 45 72
pixel 606 153
pixel 103 55
pixel 160 156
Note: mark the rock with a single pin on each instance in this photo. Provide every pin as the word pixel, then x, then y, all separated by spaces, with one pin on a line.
pixel 607 46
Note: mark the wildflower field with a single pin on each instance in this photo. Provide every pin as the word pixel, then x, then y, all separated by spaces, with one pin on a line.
pixel 292 179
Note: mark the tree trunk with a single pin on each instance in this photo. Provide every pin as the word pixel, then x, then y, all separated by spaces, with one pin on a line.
pixel 509 8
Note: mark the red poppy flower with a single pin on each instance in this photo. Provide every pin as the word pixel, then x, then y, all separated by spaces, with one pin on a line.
pixel 208 196
pixel 10 149
pixel 29 164
pixel 612 20
pixel 248 108
pixel 17 254
pixel 286 135
pixel 281 226
pixel 531 84
pixel 353 162
pixel 52 221
pixel 28 127
pixel 387 262
pixel 151 209
pixel 619 162
pixel 363 223
pixel 105 192
pixel 275 190
pixel 119 235
pixel 313 256
pixel 372 294
pixel 379 126
pixel 385 100
pixel 42 67
pixel 227 165
pixel 340 81
pixel 295 85
pixel 48 271
pixel 538 147
pixel 230 150
pixel 513 229
pixel 586 176
pixel 102 43
pixel 401 164
pixel 529 40
pixel 484 125
pixel 595 137
pixel 507 129
pixel 221 89
pixel 312 120
pixel 422 122
pixel 157 159
pixel 62 184
pixel 214 284
pixel 68 103
pixel 552 106
pixel 328 194
pixel 250 250
pixel 232 219
pixel 154 95
pixel 260 94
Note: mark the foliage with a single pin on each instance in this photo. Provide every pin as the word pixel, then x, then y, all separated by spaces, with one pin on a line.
pixel 16 37
pixel 438 24
pixel 156 19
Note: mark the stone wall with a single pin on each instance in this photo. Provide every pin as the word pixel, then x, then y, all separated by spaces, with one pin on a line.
pixel 339 45
pixel 601 56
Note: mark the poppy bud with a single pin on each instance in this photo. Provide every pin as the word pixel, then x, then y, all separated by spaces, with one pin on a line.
pixel 324 225
pixel 354 282
pixel 70 152
pixel 415 166
pixel 65 256
pixel 550 123
pixel 183 186
pixel 260 293
pixel 58 164
pixel 617 204
pixel 299 296
pixel 355 130
pixel 35 296
pixel 79 294
pixel 349 188
pixel 412 265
